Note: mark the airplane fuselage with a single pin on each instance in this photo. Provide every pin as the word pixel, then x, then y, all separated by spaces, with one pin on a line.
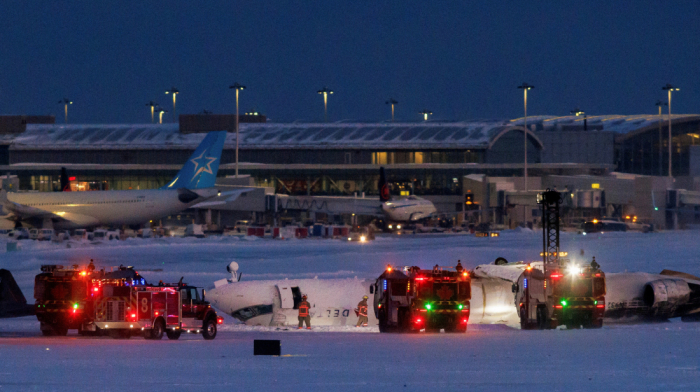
pixel 410 209
pixel 103 208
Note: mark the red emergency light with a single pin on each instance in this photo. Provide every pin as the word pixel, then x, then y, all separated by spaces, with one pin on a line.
pixel 600 306
pixel 71 178
pixel 219 320
pixel 464 321
pixel 556 276
pixel 420 278
pixel 418 321
pixel 558 307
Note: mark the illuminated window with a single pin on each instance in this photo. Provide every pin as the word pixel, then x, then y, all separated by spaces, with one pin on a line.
pixel 379 158
pixel 418 157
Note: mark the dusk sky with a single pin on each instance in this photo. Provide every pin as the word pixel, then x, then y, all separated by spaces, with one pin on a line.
pixel 462 60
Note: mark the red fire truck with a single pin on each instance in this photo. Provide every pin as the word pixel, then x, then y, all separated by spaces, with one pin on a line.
pixel 124 310
pixel 413 299
pixel 561 292
pixel 64 297
pixel 119 303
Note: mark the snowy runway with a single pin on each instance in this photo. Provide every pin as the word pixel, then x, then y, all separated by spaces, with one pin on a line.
pixel 618 357
pixel 644 357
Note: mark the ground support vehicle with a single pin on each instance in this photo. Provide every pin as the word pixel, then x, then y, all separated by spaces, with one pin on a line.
pixel 561 292
pixel 65 297
pixel 413 299
pixel 573 296
pixel 125 310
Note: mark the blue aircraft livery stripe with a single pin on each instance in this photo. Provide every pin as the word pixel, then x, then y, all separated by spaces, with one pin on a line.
pixel 200 169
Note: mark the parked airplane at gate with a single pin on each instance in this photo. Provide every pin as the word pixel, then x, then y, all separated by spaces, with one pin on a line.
pixel 406 209
pixel 194 184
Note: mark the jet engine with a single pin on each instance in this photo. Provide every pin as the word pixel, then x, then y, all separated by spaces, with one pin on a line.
pixel 664 296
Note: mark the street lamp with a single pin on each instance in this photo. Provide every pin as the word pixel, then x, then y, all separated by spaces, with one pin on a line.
pixel 425 114
pixel 660 104
pixel 153 106
pixel 160 114
pixel 66 102
pixel 669 88
pixel 174 91
pixel 238 87
pixel 392 102
pixel 325 91
pixel 525 87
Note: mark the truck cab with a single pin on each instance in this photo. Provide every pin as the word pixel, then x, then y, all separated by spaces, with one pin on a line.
pixel 569 294
pixel 413 299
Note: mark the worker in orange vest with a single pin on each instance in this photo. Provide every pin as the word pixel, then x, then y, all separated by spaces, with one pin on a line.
pixel 362 312
pixel 304 316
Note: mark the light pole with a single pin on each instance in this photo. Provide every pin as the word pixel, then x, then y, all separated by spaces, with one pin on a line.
pixel 392 102
pixel 174 91
pixel 153 106
pixel 66 102
pixel 660 104
pixel 525 88
pixel 160 114
pixel 238 87
pixel 425 114
pixel 669 88
pixel 325 91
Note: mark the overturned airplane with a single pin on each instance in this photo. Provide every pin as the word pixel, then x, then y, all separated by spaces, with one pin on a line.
pixel 630 297
pixel 12 301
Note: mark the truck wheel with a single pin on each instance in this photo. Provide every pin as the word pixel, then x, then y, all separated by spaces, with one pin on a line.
pixel 542 318
pixel 209 331
pixel 173 335
pixel 523 320
pixel 597 324
pixel 157 331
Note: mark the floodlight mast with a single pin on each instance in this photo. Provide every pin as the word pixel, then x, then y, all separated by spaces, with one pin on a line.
pixel 550 200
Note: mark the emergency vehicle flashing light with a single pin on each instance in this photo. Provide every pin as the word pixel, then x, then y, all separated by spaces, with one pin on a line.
pixel 428 306
pixel 563 302
pixel 556 275
pixel 574 269
pixel 460 306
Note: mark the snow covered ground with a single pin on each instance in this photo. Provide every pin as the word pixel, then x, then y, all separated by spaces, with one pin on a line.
pixel 618 357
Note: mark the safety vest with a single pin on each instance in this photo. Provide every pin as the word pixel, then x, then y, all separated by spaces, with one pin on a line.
pixel 303 309
pixel 362 309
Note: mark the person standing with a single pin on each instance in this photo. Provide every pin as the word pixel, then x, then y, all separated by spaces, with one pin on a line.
pixel 304 316
pixel 362 312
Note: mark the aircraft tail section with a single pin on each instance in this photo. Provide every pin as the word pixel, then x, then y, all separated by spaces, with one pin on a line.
pixel 200 170
pixel 12 301
pixel 65 181
pixel 383 186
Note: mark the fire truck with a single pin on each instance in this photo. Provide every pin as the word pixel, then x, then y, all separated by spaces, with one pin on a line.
pixel 64 297
pixel 414 299
pixel 561 292
pixel 119 303
pixel 125 310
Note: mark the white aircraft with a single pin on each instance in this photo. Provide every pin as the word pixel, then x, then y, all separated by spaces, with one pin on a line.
pixel 630 296
pixel 194 184
pixel 274 302
pixel 406 209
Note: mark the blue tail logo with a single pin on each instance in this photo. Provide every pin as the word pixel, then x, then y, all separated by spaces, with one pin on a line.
pixel 200 170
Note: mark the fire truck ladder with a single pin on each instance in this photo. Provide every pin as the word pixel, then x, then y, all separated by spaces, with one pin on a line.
pixel 550 200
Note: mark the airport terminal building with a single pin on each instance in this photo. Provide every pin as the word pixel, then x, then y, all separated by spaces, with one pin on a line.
pixel 427 158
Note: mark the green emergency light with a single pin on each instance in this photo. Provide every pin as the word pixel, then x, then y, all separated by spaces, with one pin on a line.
pixel 427 306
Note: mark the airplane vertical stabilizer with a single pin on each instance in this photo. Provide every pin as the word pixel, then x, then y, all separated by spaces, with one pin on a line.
pixel 65 181
pixel 383 186
pixel 200 170
pixel 12 301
